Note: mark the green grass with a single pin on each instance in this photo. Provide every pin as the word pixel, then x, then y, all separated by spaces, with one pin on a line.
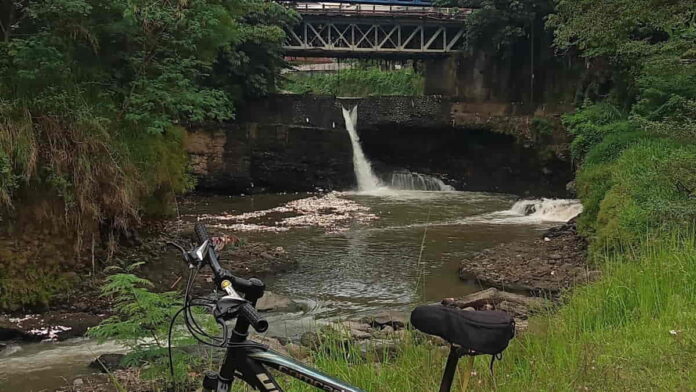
pixel 357 82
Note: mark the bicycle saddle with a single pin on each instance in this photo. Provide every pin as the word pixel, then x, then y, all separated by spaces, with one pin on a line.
pixel 484 332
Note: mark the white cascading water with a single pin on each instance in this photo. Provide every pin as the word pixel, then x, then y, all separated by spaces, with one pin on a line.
pixel 367 181
pixel 406 180
pixel 548 210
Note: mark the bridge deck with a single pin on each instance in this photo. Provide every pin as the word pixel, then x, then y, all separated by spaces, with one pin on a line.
pixel 373 11
pixel 379 2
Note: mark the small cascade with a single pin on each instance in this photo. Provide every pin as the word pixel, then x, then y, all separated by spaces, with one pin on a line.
pixel 407 180
pixel 367 181
pixel 548 210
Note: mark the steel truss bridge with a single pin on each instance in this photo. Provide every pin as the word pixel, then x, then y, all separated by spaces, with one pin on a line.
pixel 375 30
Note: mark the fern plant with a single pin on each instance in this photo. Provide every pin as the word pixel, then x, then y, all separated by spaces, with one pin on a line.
pixel 141 322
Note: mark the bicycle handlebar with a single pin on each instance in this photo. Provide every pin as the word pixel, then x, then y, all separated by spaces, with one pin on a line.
pixel 248 311
pixel 201 232
pixel 250 287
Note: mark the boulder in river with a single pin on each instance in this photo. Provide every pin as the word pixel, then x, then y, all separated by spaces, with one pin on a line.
pixel 272 302
pixel 517 305
pixel 396 320
pixel 54 325
pixel 107 363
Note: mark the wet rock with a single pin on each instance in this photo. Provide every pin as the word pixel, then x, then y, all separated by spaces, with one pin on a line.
pixel 272 343
pixel 517 310
pixel 349 330
pixel 282 339
pixel 378 349
pixel 54 325
pixel 107 363
pixel 356 325
pixel 78 382
pixel 396 320
pixel 359 335
pixel 272 302
pixel 310 339
pixel 571 188
pixel 296 351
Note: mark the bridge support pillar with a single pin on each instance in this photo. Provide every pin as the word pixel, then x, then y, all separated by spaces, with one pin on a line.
pixel 441 76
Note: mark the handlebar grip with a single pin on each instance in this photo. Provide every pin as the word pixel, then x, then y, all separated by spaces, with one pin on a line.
pixel 253 317
pixel 201 232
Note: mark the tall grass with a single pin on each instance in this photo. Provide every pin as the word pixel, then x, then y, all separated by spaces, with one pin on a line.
pixel 357 82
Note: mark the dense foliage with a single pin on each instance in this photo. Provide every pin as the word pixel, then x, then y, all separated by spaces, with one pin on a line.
pixel 103 84
pixel 497 25
pixel 357 82
pixel 94 98
pixel 637 147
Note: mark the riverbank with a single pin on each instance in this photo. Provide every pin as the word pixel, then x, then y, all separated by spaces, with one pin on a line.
pixel 544 266
pixel 379 341
pixel 71 313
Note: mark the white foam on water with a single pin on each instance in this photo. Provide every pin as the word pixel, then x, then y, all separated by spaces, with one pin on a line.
pixel 407 180
pixel 532 211
pixel 44 356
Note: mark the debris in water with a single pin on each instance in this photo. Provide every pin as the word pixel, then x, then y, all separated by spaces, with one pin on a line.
pixel 330 212
pixel 49 334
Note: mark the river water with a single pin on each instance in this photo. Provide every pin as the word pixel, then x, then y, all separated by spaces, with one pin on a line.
pixel 407 253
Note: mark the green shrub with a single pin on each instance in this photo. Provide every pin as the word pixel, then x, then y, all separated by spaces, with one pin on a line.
pixel 613 144
pixel 592 184
pixel 591 124
pixel 357 82
pixel 141 322
pixel 649 187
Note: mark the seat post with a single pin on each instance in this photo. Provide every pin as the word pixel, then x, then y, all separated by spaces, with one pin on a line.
pixel 450 369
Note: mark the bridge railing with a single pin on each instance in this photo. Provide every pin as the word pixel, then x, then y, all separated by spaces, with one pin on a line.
pixel 376 10
pixel 426 3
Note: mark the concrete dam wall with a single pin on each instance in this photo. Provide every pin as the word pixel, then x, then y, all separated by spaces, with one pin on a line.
pixel 300 143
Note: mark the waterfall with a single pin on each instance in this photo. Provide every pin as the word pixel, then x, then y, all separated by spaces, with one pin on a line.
pixel 367 181
pixel 418 182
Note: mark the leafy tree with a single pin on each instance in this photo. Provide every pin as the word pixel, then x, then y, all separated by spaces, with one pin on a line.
pixel 499 24
pixel 94 95
pixel 621 27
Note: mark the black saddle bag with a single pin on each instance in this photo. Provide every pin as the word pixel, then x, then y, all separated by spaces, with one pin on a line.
pixel 485 331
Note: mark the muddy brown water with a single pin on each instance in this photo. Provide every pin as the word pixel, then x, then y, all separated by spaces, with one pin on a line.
pixel 409 255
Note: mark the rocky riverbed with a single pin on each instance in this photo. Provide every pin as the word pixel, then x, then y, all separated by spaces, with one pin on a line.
pixel 555 261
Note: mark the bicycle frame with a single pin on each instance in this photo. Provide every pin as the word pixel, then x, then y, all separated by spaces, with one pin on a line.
pixel 250 364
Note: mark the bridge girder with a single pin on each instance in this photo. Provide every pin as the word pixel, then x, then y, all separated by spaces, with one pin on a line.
pixel 426 3
pixel 373 37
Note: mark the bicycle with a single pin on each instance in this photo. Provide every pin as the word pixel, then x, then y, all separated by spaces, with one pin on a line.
pixel 468 333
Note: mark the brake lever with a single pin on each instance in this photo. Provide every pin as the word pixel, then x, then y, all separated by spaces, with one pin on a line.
pixel 184 254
